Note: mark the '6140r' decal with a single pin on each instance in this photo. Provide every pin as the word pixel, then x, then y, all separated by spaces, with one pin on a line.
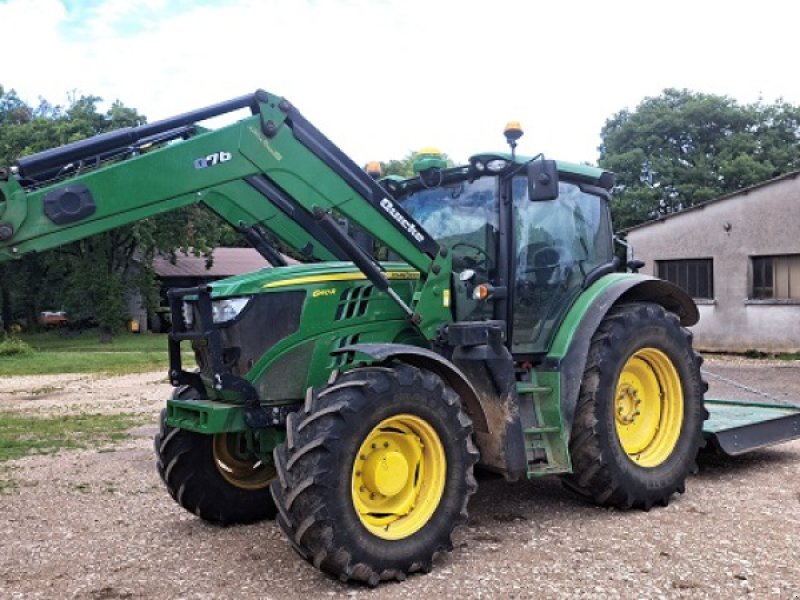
pixel 212 159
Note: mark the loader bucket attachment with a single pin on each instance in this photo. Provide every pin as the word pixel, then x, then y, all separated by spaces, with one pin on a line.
pixel 735 426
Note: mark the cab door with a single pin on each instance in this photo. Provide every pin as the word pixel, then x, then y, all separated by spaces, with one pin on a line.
pixel 556 245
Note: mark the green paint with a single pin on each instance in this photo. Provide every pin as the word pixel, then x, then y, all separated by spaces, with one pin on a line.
pixel 427 161
pixel 205 416
pixel 733 414
pixel 582 304
pixel 548 404
pixel 564 168
pixel 544 393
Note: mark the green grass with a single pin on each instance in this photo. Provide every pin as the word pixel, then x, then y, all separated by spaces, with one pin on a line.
pixel 23 435
pixel 89 341
pixel 55 352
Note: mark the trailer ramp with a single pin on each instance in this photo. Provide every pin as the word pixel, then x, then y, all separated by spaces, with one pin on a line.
pixel 737 426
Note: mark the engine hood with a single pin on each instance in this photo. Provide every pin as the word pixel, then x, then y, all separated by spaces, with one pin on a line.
pixel 302 276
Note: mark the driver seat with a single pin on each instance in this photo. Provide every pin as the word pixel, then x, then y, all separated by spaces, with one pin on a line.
pixel 539 263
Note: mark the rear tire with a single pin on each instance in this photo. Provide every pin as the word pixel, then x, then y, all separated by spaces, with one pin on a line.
pixel 639 419
pixel 375 473
pixel 206 475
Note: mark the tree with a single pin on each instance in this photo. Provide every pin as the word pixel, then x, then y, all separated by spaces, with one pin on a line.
pixel 405 166
pixel 90 278
pixel 682 148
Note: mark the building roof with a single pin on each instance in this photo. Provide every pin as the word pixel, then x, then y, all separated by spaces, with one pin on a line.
pixel 701 205
pixel 227 262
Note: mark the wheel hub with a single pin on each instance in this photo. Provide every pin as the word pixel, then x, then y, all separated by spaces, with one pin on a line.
pixel 398 476
pixel 648 407
pixel 237 464
pixel 385 472
pixel 627 405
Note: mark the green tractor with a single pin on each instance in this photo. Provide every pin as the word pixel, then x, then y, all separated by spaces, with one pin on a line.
pixel 352 398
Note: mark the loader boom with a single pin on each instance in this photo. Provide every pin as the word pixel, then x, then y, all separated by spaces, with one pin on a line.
pixel 273 169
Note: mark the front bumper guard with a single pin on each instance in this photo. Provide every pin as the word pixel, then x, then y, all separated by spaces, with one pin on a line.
pixel 255 415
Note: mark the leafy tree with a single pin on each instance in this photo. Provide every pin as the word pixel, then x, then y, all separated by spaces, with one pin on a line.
pixel 681 148
pixel 90 278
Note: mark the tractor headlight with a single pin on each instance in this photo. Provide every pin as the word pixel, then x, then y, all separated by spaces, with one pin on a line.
pixel 228 309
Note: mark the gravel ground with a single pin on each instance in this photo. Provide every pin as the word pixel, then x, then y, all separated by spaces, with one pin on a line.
pixel 99 524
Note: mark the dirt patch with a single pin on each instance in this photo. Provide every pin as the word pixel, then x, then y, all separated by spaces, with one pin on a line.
pixel 99 523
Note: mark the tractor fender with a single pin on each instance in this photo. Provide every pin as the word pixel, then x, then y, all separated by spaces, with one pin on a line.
pixel 431 361
pixel 628 288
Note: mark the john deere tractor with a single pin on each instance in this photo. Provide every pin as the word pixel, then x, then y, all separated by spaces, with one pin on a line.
pixel 353 398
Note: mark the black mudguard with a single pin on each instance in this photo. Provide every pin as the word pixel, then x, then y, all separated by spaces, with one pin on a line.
pixel 484 379
pixel 427 359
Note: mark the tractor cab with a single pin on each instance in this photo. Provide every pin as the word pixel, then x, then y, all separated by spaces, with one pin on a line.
pixel 526 236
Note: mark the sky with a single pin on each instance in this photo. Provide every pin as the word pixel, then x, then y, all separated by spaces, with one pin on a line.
pixel 382 78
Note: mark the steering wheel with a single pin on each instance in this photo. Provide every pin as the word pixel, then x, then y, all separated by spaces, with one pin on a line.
pixel 547 257
pixel 481 261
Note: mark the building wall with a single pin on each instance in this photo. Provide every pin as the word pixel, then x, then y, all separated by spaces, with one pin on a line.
pixel 764 220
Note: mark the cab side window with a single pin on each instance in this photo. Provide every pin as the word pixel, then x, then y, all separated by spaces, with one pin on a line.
pixel 558 243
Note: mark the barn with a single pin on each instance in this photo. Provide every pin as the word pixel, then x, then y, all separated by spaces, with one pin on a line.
pixel 738 256
pixel 188 270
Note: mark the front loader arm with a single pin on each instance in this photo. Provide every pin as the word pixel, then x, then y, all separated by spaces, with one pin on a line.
pixel 37 217
pixel 273 169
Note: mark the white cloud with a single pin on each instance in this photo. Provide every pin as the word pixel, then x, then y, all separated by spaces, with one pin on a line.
pixel 383 78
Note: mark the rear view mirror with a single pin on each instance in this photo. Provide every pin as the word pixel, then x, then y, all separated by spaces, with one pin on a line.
pixel 542 180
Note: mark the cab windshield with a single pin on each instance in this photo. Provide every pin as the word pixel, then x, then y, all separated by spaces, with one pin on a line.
pixel 554 246
pixel 461 216
pixel 455 211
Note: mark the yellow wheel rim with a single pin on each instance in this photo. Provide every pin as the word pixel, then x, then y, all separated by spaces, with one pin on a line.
pixel 398 477
pixel 237 465
pixel 648 407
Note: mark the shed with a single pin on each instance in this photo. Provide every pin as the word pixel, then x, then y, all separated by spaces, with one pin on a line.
pixel 190 271
pixel 738 256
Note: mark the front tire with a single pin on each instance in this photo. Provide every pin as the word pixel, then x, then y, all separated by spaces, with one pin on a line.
pixel 639 419
pixel 212 476
pixel 376 473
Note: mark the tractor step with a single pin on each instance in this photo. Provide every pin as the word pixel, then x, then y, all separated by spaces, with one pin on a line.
pixel 532 388
pixel 545 444
pixel 736 426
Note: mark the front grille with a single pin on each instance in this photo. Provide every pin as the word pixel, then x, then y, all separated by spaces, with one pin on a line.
pixel 266 320
pixel 285 379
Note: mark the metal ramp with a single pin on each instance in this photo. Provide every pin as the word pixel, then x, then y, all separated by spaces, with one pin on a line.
pixel 737 426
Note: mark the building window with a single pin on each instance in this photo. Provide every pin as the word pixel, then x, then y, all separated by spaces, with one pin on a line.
pixel 776 277
pixel 695 276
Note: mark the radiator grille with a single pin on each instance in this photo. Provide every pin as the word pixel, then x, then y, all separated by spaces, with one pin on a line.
pixel 263 323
